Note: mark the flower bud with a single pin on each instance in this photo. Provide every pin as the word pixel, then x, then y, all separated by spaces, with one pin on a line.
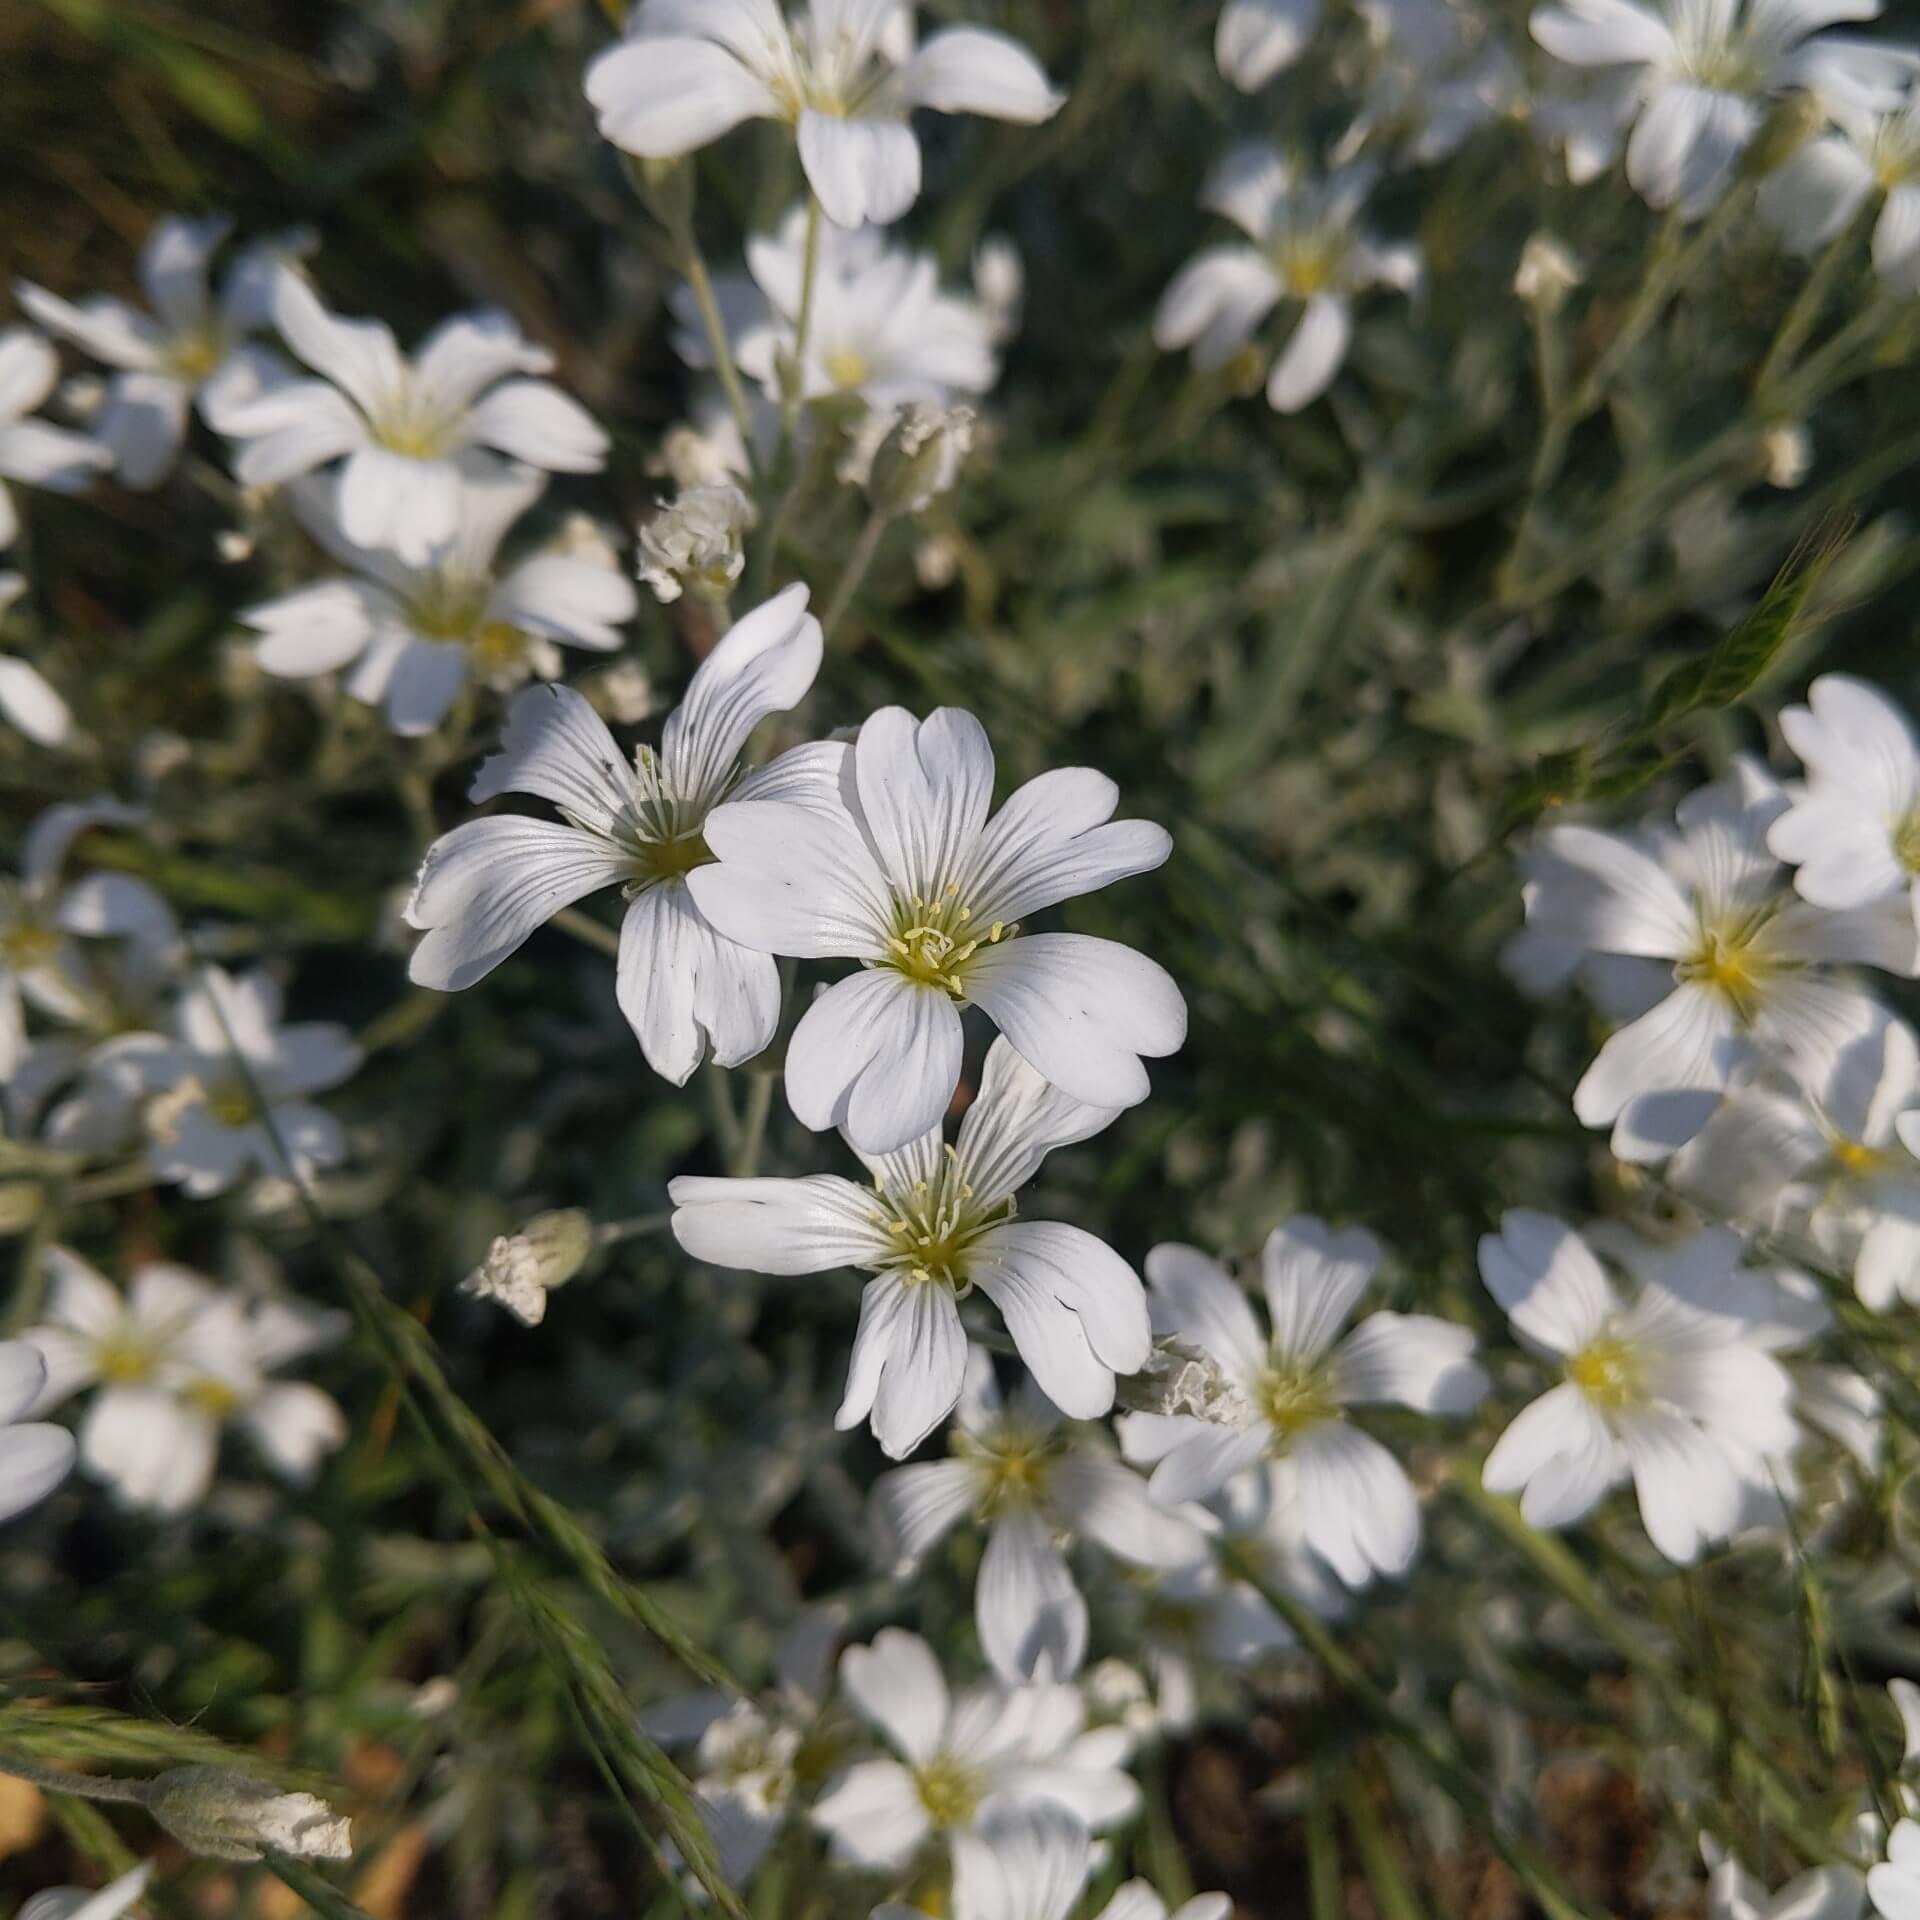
pixel 667 187
pixel 696 544
pixel 222 1814
pixel 920 457
pixel 1548 272
pixel 1794 121
pixel 522 1268
pixel 1786 455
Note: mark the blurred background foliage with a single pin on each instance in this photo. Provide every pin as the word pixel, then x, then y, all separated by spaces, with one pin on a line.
pixel 1327 651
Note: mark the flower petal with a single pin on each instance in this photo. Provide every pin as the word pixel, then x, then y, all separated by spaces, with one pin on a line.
pixel 684 987
pixel 877 1056
pixel 808 1225
pixel 485 887
pixel 765 665
pixel 1082 1011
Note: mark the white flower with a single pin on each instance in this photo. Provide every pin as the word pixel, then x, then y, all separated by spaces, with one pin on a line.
pixel 1255 39
pixel 746 1750
pixel 81 1091
pixel 1852 831
pixel 1021 1863
pixel 34 1457
pixel 1288 1427
pixel 1826 182
pixel 962 1759
pixel 1703 70
pixel 72 1903
pixel 844 77
pixel 411 634
pixel 936 1223
pixel 1549 270
pixel 40 961
pixel 1035 1492
pixel 906 873
pixel 402 424
pixel 173 1361
pixel 696 540
pixel 1306 248
pixel 1906 1702
pixel 1135 1900
pixel 1441 75
pixel 879 325
pixel 1833 1162
pixel 222 1117
pixel 1894 1885
pixel 31 450
pixel 189 348
pixel 643 826
pixel 1674 1387
pixel 1822 1893
pixel 27 702
pixel 1203 1614
pixel 1752 966
pixel 1587 117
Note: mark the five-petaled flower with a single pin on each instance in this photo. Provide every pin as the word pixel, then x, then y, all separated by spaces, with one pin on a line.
pixel 1283 1418
pixel 938 1222
pixel 640 825
pixel 845 78
pixel 904 872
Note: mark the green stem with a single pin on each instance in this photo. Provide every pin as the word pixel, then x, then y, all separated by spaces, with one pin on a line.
pixel 693 267
pixel 859 559
pixel 81 1786
pixel 745 1160
pixel 783 477
pixel 1391 1893
pixel 588 931
pixel 1806 309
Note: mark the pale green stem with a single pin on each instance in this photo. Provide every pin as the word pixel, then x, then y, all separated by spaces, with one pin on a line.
pixel 588 931
pixel 82 1786
pixel 859 558
pixel 609 1233
pixel 1806 310
pixel 745 1161
pixel 694 267
pixel 782 476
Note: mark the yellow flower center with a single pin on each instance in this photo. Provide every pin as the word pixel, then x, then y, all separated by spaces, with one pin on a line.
pixel 1013 1464
pixel 1906 842
pixel 123 1362
pixel 231 1102
pixel 1293 1398
pixel 845 368
pixel 672 859
pixel 1732 961
pixel 932 1225
pixel 192 356
pixel 214 1397
pixel 1855 1160
pixel 26 946
pixel 1309 263
pixel 950 1792
pixel 932 940
pixel 1609 1373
